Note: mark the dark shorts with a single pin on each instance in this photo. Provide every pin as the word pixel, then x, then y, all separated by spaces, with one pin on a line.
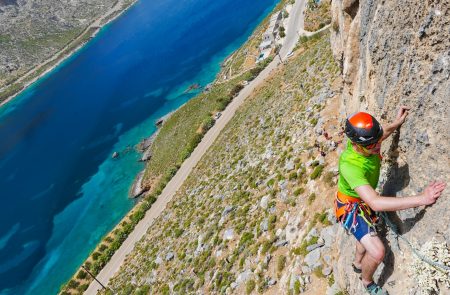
pixel 360 226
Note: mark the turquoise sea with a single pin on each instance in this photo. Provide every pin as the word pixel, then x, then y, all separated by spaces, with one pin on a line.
pixel 60 190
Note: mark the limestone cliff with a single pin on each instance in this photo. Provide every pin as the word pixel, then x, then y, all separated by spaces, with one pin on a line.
pixel 396 53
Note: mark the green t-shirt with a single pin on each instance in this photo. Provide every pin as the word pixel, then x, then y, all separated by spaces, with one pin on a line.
pixel 356 170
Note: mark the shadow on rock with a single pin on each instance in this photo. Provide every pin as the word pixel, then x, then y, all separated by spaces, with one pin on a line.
pixel 397 179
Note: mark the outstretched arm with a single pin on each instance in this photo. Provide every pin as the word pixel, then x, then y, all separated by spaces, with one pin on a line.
pixel 382 203
pixel 399 120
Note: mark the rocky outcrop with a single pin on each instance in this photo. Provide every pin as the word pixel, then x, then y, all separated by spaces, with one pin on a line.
pixel 393 53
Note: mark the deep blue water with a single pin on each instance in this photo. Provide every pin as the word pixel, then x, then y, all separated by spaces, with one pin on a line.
pixel 60 191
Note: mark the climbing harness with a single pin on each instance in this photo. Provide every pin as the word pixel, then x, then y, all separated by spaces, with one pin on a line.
pixel 353 207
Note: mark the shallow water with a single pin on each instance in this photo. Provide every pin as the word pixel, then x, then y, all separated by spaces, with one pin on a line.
pixel 60 190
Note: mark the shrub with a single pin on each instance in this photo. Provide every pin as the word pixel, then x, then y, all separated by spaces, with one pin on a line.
pixel 73 284
pixel 265 247
pixel 143 290
pixel 81 275
pixel 318 272
pixel 331 280
pixel 83 288
pixel 165 289
pixel 299 191
pixel 108 239
pixel 313 121
pixel 328 178
pixel 95 255
pixel 297 286
pixel 302 249
pixel 246 238
pixel 207 124
pixel 292 175
pixel 236 89
pixel 271 221
pixel 250 286
pixel 271 182
pixel 281 262
pixel 151 199
pixel 321 217
pixel 241 262
pixel 311 198
pixel 317 171
pixel 178 232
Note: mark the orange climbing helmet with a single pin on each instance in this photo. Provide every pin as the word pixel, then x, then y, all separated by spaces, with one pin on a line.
pixel 363 129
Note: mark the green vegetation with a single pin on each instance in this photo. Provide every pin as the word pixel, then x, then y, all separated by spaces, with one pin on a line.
pixel 321 217
pixel 235 172
pixel 299 191
pixel 302 249
pixel 180 134
pixel 318 272
pixel 56 40
pixel 328 179
pixel 282 32
pixel 316 172
pixel 317 15
pixel 331 280
pixel 250 286
pixel 5 38
pixel 311 198
pixel 281 262
pixel 297 287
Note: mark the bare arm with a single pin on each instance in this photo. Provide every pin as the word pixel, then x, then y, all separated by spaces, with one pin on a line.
pixel 399 120
pixel 382 203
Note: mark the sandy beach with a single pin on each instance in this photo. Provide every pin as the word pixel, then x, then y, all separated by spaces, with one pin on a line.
pixel 59 57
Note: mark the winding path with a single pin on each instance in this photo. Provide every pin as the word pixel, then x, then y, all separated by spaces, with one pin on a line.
pixel 295 25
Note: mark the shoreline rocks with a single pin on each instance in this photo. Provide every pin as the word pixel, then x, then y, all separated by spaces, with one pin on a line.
pixel 136 189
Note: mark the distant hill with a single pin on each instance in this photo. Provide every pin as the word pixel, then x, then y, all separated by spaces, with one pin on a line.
pixel 35 35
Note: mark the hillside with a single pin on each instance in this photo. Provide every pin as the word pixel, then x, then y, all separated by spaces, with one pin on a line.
pixel 36 35
pixel 240 220
pixel 254 216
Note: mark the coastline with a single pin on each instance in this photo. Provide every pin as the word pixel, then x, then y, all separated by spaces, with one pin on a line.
pixel 147 198
pixel 59 57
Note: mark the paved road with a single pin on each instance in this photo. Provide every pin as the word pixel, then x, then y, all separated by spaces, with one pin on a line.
pixel 295 23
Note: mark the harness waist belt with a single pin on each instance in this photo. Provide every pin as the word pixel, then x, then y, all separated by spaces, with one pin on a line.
pixel 346 200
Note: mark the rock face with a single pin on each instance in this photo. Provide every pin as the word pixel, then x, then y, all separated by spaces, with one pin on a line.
pixel 396 53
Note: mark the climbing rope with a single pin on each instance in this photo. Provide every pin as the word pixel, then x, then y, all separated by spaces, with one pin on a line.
pixel 417 253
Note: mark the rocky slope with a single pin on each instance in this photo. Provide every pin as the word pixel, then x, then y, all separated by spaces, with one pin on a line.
pixel 254 214
pixel 393 53
pixel 33 31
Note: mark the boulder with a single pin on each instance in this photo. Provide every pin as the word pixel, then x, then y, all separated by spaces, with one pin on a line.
pixel 264 225
pixel 244 276
pixel 312 259
pixel 227 210
pixel 169 256
pixel 228 234
pixel 289 166
pixel 264 203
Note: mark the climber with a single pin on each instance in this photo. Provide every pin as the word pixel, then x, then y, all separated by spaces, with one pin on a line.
pixel 356 199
